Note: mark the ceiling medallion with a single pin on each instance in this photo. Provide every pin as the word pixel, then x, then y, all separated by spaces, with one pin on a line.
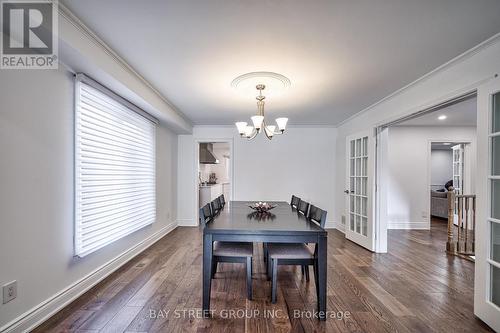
pixel 260 80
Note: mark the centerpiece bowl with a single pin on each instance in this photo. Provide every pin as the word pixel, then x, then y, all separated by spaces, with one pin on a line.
pixel 262 207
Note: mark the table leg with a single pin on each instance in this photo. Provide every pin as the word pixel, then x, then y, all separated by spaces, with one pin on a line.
pixel 207 272
pixel 322 267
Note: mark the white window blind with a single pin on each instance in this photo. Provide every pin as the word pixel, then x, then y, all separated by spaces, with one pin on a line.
pixel 115 191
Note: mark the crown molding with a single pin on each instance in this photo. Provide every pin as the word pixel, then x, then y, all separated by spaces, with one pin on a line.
pixel 287 126
pixel 71 18
pixel 458 59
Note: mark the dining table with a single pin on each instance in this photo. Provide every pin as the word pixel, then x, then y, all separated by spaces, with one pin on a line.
pixel 238 222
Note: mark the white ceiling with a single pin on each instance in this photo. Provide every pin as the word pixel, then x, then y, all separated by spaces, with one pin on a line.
pixel 341 56
pixel 460 114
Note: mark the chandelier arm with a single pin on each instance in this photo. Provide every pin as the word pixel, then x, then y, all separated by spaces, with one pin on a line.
pixel 274 132
pixel 265 130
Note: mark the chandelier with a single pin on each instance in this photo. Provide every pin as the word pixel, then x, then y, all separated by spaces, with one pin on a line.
pixel 259 121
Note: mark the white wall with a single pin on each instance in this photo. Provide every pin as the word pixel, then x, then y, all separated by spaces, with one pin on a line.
pixel 36 192
pixel 300 162
pixel 409 164
pixel 441 167
pixel 457 77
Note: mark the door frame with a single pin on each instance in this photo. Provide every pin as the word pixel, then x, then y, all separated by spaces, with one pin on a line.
pixel 196 170
pixel 461 140
pixel 381 154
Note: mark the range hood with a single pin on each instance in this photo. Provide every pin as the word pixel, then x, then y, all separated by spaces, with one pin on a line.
pixel 206 154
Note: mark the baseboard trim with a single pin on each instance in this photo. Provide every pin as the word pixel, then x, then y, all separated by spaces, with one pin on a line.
pixel 186 223
pixel 408 225
pixel 43 311
pixel 330 225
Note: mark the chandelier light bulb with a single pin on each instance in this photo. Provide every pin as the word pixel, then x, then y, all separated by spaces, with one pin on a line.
pixel 281 122
pixel 241 126
pixel 257 121
pixel 270 130
pixel 248 131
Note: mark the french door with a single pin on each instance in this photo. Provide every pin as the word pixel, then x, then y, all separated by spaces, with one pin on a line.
pixel 458 168
pixel 487 270
pixel 359 189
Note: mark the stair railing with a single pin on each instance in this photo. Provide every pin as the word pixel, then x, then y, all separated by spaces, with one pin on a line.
pixel 461 223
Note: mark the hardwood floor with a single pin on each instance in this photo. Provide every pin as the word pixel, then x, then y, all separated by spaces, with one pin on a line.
pixel 416 287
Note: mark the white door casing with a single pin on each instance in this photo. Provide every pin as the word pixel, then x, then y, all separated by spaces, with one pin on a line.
pixel 359 189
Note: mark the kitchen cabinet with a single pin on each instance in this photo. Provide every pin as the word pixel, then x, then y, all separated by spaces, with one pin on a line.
pixel 209 192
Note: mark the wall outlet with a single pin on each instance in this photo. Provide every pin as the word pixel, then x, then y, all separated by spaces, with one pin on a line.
pixel 9 291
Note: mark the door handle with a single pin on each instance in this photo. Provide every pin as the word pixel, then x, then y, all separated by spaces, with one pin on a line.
pixel 347 191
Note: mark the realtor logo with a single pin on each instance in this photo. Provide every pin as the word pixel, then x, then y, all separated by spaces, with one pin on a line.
pixel 29 34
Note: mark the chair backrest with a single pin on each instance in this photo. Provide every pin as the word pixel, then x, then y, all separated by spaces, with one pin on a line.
pixel 303 207
pixel 205 214
pixel 295 201
pixel 215 206
pixel 222 200
pixel 317 215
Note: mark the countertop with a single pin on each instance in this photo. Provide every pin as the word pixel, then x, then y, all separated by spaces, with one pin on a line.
pixel 210 185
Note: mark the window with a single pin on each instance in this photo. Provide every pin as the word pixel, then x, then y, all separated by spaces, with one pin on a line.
pixel 115 191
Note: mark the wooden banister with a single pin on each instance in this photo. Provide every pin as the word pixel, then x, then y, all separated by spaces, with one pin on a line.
pixel 463 206
pixel 450 244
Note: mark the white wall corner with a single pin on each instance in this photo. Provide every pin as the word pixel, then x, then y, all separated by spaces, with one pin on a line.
pixel 43 311
pixel 186 223
pixel 335 225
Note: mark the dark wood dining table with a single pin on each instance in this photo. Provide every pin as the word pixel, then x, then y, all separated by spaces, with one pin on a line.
pixel 236 223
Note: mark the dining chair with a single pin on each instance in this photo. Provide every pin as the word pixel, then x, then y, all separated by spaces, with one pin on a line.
pixel 229 252
pixel 303 207
pixel 216 206
pixel 222 200
pixel 294 203
pixel 294 254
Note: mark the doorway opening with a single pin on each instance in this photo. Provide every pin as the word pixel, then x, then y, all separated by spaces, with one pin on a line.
pixel 214 172
pixel 421 161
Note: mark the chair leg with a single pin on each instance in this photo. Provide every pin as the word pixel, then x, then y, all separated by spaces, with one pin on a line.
pixel 214 267
pixel 274 284
pixel 302 270
pixel 306 269
pixel 249 278
pixel 264 246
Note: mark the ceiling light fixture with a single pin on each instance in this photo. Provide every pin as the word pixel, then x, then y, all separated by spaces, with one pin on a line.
pixel 442 117
pixel 259 80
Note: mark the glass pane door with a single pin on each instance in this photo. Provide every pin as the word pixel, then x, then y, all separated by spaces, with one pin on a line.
pixel 358 192
pixel 487 237
pixel 360 168
pixel 494 213
pixel 458 168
